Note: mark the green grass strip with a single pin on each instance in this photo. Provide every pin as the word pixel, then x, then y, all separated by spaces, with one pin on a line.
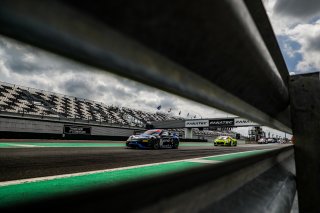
pixel 15 194
pixel 6 145
pixel 235 155
pixel 196 144
pixel 26 192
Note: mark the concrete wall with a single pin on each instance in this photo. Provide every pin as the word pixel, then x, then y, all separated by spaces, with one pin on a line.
pixel 22 125
pixel 96 130
pixel 174 124
pixel 8 124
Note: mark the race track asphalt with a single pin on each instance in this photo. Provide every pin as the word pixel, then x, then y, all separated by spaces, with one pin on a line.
pixel 32 161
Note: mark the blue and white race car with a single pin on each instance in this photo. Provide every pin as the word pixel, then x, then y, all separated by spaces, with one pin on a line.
pixel 154 139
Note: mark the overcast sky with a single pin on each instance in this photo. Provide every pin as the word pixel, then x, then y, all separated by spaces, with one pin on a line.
pixel 25 65
pixel 296 24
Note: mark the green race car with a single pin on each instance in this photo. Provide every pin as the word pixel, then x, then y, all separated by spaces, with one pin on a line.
pixel 225 141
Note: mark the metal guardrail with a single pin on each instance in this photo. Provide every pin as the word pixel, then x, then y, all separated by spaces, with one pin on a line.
pixel 219 53
pixel 183 48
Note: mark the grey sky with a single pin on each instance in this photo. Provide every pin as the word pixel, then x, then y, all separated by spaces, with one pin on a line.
pixel 297 26
pixel 297 8
pixel 28 66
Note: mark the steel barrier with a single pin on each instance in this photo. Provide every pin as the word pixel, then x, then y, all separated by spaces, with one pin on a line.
pixel 220 53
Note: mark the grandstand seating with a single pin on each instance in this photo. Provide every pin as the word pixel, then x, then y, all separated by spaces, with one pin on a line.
pixel 23 100
pixel 18 99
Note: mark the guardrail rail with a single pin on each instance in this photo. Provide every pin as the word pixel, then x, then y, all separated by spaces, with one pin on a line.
pixel 220 53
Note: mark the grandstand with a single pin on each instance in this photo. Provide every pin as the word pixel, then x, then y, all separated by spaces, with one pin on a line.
pixel 19 100
pixel 23 100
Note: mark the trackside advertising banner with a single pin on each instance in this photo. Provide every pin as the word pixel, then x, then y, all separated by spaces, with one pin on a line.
pixel 222 122
pixel 244 122
pixel 197 123
pixel 79 130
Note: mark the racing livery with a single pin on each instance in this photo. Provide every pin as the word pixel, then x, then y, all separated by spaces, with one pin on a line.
pixel 153 139
pixel 225 141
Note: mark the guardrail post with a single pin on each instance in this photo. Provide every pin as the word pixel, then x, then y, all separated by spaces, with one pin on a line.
pixel 305 115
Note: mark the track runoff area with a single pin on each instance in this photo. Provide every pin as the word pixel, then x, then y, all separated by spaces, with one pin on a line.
pixel 39 169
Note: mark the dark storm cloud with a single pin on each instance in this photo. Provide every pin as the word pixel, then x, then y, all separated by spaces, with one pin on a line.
pixel 168 103
pixel 18 64
pixel 297 8
pixel 313 44
pixel 88 88
pixel 16 57
pixel 78 88
pixel 18 67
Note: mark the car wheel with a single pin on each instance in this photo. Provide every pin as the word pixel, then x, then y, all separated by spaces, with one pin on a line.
pixel 156 145
pixel 175 144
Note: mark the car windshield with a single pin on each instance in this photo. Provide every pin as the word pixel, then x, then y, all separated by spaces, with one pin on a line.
pixel 223 137
pixel 152 132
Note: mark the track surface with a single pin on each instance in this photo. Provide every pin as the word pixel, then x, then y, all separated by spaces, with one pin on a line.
pixel 31 162
pixel 37 170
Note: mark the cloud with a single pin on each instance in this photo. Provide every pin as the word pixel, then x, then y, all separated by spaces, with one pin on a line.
pixel 297 8
pixel 313 44
pixel 297 26
pixel 290 50
pixel 28 66
pixel 25 65
pixel 25 59
pixel 78 87
pixel 308 36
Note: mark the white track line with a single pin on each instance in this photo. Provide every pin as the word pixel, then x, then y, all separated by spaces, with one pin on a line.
pixel 25 145
pixel 29 180
pixel 20 145
pixel 204 161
